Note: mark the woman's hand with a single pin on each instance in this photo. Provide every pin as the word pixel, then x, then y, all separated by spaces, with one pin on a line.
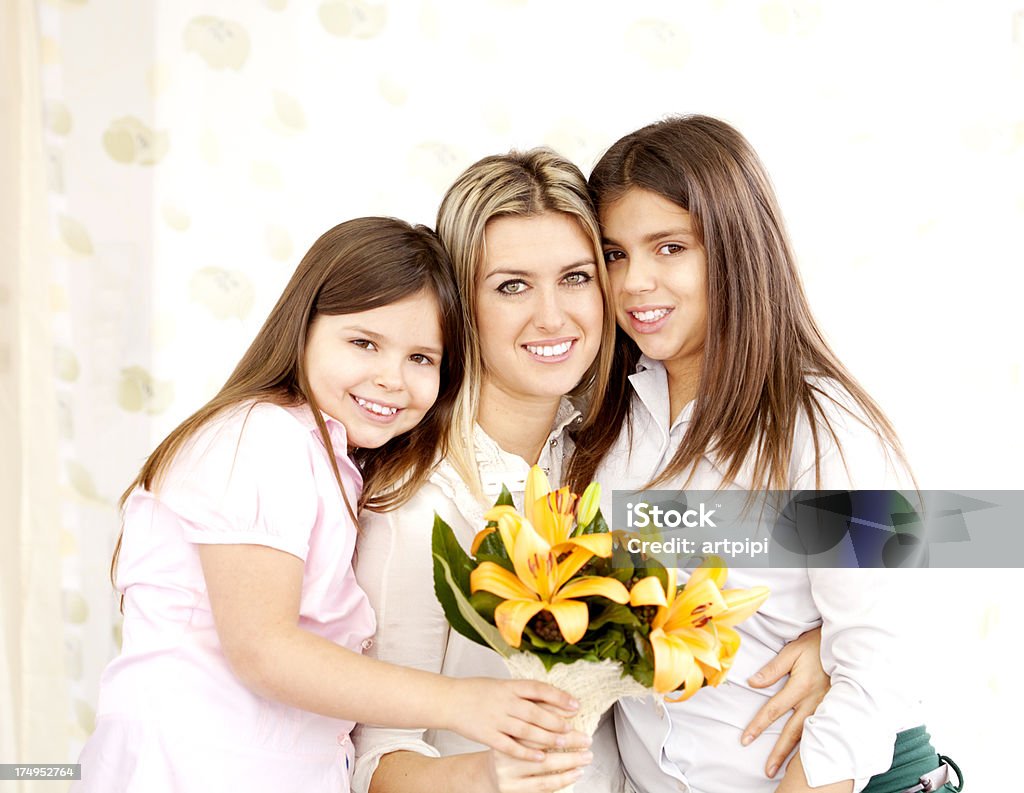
pixel 557 770
pixel 803 692
pixel 519 718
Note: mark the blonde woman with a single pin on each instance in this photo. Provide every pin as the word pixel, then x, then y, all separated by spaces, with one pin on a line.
pixel 525 244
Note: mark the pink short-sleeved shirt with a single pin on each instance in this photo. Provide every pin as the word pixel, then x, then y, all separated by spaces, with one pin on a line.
pixel 172 716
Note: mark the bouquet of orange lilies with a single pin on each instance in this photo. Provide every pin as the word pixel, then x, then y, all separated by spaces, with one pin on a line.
pixel 555 594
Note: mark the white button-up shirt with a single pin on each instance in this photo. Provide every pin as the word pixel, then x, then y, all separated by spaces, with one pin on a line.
pixel 395 567
pixel 695 745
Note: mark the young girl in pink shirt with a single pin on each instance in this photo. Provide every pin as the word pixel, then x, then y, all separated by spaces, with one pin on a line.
pixel 243 623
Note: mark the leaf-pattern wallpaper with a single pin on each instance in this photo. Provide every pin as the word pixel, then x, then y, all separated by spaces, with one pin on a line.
pixel 195 148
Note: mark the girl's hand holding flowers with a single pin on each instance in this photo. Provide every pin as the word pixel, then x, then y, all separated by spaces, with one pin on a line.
pixel 519 718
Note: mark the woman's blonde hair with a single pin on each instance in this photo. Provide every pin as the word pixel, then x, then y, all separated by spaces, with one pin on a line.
pixel 521 184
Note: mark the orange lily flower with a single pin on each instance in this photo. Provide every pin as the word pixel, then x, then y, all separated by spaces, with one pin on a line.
pixel 687 649
pixel 541 583
pixel 551 513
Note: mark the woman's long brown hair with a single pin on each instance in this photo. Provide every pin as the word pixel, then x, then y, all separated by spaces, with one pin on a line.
pixel 763 348
pixel 357 266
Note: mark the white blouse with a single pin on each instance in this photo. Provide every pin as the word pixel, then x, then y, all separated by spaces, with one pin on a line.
pixel 395 567
pixel 695 745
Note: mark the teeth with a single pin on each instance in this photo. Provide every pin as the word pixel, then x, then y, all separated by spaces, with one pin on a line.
pixel 379 409
pixel 650 316
pixel 548 351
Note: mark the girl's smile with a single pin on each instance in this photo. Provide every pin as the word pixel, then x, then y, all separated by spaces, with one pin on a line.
pixel 377 371
pixel 645 319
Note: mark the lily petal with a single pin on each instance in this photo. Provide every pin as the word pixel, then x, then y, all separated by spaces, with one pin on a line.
pixel 498 510
pixel 530 558
pixel 740 604
pixel 702 644
pixel 510 525
pixel 550 520
pixel 493 578
pixel 712 568
pixel 673 661
pixel 594 585
pixel 704 599
pixel 570 565
pixel 480 537
pixel 693 682
pixel 647 592
pixel 511 617
pixel 728 645
pixel 597 544
pixel 537 486
pixel 572 617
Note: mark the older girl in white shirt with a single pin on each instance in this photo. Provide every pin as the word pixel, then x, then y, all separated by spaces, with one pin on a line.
pixel 723 380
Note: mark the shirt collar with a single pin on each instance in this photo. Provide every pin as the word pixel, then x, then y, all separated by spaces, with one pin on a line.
pixel 498 466
pixel 567 414
pixel 650 382
pixel 335 430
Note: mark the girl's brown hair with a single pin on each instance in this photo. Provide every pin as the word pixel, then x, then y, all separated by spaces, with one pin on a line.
pixel 357 266
pixel 762 342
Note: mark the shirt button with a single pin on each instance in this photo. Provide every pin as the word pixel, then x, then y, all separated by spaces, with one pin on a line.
pixel 554 442
pixel 367 644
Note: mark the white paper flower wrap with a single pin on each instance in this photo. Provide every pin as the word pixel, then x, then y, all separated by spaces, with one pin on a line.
pixel 596 685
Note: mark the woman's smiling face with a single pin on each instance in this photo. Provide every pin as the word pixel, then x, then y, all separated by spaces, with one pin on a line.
pixel 539 311
pixel 657 268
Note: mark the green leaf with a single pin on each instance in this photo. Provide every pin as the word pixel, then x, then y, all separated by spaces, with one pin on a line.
pixel 597 526
pixel 642 672
pixel 543 644
pixel 493 549
pixel 617 614
pixel 444 542
pixel 452 567
pixel 504 498
pixel 622 563
pixel 485 603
